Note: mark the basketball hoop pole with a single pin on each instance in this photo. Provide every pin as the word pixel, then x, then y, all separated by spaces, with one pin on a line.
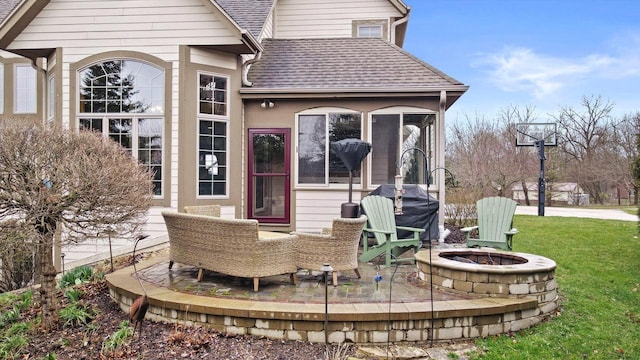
pixel 539 144
pixel 538 135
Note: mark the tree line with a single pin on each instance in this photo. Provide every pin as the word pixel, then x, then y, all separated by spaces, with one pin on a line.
pixel 595 149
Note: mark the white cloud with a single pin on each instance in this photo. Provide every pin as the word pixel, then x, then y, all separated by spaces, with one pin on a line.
pixel 519 69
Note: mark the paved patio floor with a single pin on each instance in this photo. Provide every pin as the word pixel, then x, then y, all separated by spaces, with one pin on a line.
pixel 399 283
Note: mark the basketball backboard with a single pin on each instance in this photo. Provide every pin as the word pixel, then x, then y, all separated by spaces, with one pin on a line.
pixel 528 133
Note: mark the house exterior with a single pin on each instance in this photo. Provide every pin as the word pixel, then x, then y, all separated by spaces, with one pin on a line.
pixel 557 193
pixel 234 102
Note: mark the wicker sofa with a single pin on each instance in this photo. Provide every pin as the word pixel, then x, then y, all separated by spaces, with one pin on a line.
pixel 228 246
pixel 209 210
pixel 337 246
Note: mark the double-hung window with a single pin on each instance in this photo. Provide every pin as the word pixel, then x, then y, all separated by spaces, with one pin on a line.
pixel 317 165
pixel 124 100
pixel 51 98
pixel 370 31
pixel 408 133
pixel 25 90
pixel 213 130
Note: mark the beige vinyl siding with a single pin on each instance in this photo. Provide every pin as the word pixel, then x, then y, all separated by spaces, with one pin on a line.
pixel 317 209
pixel 214 58
pixel 267 30
pixel 86 27
pixel 83 28
pixel 329 18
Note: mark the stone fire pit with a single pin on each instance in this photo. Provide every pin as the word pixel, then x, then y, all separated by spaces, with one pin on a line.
pixel 494 273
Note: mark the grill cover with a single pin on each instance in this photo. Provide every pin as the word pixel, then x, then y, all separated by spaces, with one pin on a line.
pixel 419 210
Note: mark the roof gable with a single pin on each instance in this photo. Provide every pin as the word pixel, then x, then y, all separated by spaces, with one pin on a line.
pixel 248 14
pixel 114 22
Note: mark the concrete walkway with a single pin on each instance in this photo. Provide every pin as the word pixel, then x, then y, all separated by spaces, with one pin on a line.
pixel 606 214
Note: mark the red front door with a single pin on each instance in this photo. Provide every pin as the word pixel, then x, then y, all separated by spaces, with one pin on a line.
pixel 269 185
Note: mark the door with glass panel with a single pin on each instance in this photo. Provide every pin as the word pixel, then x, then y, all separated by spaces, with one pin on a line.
pixel 268 183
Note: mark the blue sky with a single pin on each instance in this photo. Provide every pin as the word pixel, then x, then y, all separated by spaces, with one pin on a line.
pixel 539 53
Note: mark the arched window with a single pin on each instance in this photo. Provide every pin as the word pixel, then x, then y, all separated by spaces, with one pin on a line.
pixel 124 100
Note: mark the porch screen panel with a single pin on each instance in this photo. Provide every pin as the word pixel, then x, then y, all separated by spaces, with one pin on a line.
pixel 385 148
pixel 312 149
pixel 343 126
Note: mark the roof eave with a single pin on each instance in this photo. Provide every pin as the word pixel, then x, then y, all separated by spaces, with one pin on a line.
pixel 400 6
pixel 245 35
pixel 454 92
pixel 352 90
pixel 19 19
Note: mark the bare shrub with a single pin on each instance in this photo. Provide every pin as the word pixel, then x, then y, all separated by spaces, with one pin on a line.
pixel 16 257
pixel 76 182
pixel 460 209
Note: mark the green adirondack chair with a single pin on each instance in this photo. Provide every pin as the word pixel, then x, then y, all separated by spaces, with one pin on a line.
pixel 495 223
pixel 381 223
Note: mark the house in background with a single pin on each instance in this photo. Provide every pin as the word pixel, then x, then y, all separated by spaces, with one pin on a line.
pixel 234 102
pixel 557 193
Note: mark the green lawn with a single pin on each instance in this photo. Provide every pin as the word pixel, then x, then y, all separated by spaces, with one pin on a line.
pixel 598 275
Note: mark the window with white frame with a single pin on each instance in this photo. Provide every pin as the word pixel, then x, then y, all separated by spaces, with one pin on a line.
pixel 51 98
pixel 396 133
pixel 370 31
pixel 316 163
pixel 124 100
pixel 25 89
pixel 213 130
pixel 370 28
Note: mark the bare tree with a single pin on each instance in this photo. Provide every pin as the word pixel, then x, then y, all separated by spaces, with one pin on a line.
pixel 626 149
pixel 524 158
pixel 75 182
pixel 483 154
pixel 585 137
pixel 636 170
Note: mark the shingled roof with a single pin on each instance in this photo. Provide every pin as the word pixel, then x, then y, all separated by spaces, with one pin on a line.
pixel 6 6
pixel 343 63
pixel 249 14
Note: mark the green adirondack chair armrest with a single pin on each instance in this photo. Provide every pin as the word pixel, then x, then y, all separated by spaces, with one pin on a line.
pixel 407 228
pixel 467 230
pixel 365 236
pixel 386 232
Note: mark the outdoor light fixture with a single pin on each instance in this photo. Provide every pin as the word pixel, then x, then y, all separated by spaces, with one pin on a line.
pixel 62 257
pixel 110 230
pixel 326 269
pixel 266 103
